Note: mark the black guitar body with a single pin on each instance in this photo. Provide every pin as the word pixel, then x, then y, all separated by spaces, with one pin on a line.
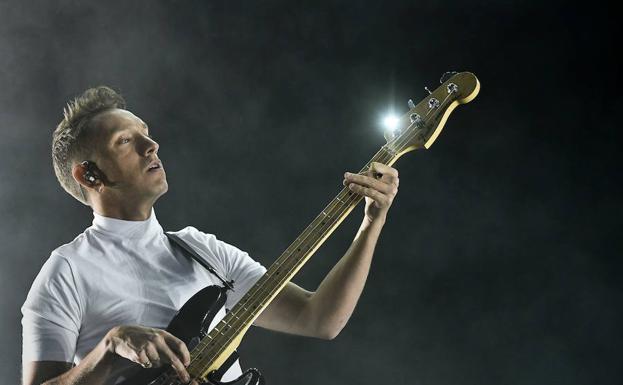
pixel 190 325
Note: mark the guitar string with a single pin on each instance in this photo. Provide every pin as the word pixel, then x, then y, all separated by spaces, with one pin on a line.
pixel 338 206
pixel 261 288
pixel 207 356
pixel 341 193
pixel 287 258
pixel 280 265
pixel 347 204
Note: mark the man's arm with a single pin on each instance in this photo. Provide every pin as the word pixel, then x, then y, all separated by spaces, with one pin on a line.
pixel 139 344
pixel 94 369
pixel 324 313
pixel 37 372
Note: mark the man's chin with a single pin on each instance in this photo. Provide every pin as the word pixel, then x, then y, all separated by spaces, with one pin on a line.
pixel 163 191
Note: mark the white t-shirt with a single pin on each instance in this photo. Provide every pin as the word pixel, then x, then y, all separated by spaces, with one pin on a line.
pixel 121 272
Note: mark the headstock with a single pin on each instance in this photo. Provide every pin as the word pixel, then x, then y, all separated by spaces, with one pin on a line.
pixel 420 127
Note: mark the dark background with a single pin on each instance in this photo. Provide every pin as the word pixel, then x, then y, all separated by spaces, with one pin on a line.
pixel 500 260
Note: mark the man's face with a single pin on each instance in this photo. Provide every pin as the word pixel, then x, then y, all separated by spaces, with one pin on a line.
pixel 124 153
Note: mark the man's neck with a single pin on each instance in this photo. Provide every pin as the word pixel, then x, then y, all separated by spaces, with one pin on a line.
pixel 126 212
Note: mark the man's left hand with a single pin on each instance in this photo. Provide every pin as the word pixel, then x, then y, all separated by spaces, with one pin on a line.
pixel 379 185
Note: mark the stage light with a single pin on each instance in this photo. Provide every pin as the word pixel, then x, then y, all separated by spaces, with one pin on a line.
pixel 391 121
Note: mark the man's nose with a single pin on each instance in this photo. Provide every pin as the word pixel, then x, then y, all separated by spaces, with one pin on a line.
pixel 151 146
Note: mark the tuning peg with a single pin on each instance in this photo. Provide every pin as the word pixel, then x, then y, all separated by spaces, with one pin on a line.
pixel 446 76
pixel 427 90
pixel 411 104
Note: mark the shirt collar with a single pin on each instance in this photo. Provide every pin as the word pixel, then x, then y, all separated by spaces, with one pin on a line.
pixel 127 229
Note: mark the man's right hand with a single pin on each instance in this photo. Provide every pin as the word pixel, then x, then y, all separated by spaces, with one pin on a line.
pixel 150 347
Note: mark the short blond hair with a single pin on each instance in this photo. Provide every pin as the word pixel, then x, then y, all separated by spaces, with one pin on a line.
pixel 70 141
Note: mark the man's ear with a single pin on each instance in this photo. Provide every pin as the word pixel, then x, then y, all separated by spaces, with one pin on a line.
pixel 83 173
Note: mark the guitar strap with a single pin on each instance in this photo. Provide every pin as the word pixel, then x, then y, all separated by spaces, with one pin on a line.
pixel 252 376
pixel 189 251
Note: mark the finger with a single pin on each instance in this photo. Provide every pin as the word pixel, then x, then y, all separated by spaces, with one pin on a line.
pixel 383 169
pixel 179 347
pixel 143 360
pixel 388 177
pixel 384 173
pixel 152 354
pixel 368 182
pixel 372 174
pixel 169 356
pixel 391 181
pixel 381 199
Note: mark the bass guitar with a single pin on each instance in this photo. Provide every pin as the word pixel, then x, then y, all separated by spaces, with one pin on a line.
pixel 417 129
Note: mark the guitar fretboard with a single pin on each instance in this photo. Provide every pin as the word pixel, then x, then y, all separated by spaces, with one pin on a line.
pixel 242 315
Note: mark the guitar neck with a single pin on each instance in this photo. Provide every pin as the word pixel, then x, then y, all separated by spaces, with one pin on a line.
pixel 418 128
pixel 301 250
pixel 226 335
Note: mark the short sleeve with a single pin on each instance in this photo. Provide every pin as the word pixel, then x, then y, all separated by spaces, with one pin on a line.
pixel 51 314
pixel 234 263
pixel 240 268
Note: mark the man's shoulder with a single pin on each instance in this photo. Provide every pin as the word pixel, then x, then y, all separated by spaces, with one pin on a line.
pixel 73 254
pixel 207 243
pixel 195 237
pixel 62 259
pixel 56 275
pixel 71 249
pixel 190 230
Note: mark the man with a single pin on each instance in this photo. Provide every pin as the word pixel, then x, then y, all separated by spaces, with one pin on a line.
pixel 100 302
